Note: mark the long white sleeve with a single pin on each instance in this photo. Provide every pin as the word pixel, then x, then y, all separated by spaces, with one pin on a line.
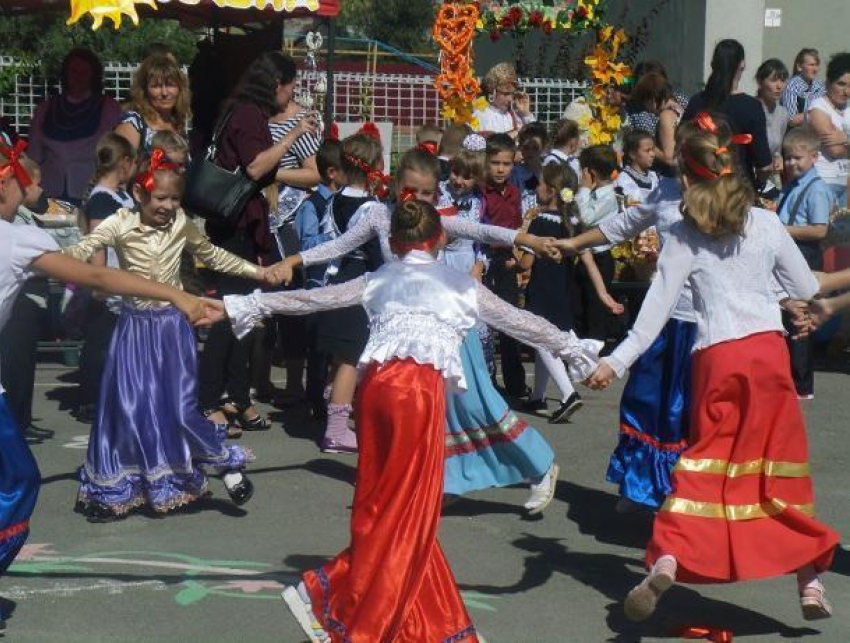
pixel 792 272
pixel 488 234
pixel 581 355
pixel 629 223
pixel 247 311
pixel 367 226
pixel 674 267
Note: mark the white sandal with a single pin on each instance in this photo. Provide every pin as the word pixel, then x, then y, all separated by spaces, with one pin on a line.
pixel 303 614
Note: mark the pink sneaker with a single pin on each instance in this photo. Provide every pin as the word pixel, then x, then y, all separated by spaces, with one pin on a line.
pixel 814 603
pixel 345 443
pixel 643 599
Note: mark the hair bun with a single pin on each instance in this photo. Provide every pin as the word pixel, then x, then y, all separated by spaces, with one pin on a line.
pixel 409 215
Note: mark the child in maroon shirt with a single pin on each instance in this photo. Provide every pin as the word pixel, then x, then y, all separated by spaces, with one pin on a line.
pixel 502 200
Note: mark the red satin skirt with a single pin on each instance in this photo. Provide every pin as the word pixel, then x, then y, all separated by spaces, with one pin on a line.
pixel 393 584
pixel 742 506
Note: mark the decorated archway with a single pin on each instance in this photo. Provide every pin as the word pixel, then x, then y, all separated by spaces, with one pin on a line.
pixel 459 21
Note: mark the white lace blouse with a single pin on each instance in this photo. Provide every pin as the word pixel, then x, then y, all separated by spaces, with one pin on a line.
pixel 376 222
pixel 421 309
pixel 732 281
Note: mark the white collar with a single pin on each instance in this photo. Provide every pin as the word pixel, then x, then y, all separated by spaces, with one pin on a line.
pixel 357 193
pixel 418 258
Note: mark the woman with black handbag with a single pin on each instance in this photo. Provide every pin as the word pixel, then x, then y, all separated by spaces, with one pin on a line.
pixel 245 142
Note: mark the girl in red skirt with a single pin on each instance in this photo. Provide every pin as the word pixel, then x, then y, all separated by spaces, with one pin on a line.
pixel 393 584
pixel 744 480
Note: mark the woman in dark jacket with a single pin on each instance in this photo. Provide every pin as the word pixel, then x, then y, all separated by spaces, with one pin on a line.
pixel 744 113
pixel 246 142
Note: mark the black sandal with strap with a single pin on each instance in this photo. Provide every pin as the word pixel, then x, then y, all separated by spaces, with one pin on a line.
pixel 256 423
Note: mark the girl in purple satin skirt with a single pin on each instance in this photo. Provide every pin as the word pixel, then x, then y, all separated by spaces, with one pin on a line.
pixel 149 440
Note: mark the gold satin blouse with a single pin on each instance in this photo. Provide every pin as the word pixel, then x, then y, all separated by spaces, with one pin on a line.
pixel 154 253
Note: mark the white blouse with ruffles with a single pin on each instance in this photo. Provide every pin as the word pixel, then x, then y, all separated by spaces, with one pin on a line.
pixel 421 309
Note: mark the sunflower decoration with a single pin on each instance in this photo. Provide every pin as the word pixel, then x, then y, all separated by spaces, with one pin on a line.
pixel 606 71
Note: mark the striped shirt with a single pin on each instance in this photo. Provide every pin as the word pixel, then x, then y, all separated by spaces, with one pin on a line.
pixel 798 94
pixel 304 147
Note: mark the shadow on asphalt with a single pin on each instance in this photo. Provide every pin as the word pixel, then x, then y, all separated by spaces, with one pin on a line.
pixel 593 512
pixel 684 607
pixel 326 467
pixel 613 575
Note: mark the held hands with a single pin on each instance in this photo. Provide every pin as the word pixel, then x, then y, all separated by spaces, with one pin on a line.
pixel 567 247
pixel 820 310
pixel 544 247
pixel 277 274
pixel 801 317
pixel 200 312
pixel 601 378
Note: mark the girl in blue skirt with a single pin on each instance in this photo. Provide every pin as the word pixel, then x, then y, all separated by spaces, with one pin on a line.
pixel 149 438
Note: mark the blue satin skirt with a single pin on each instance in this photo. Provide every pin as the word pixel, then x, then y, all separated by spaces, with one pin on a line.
pixel 149 437
pixel 19 482
pixel 487 444
pixel 655 417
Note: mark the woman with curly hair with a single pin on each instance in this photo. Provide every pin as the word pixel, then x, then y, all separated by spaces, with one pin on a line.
pixel 160 100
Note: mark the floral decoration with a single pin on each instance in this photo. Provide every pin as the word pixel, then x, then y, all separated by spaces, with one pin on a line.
pixel 457 84
pixel 501 18
pixel 605 70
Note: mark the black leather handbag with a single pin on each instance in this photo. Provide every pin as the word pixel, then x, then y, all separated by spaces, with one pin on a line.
pixel 213 192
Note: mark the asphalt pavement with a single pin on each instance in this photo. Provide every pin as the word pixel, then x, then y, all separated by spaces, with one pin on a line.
pixel 213 573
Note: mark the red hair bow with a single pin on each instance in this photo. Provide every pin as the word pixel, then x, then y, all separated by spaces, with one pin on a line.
pixel 429 146
pixel 334 134
pixel 708 633
pixel 370 129
pixel 159 161
pixel 407 194
pixel 13 163
pixel 706 123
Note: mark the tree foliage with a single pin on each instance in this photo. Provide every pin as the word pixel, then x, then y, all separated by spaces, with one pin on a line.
pixel 404 24
pixel 41 41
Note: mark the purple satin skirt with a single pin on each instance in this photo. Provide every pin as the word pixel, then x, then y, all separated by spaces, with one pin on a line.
pixel 149 438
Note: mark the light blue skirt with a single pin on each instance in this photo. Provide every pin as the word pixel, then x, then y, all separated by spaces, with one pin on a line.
pixel 487 444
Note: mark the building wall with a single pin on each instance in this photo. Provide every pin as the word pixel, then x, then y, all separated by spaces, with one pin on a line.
pixel 823 24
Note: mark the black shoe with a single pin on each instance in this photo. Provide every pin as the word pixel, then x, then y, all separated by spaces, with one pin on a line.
pixel 98 513
pixel 564 412
pixel 533 406
pixel 241 492
pixel 256 423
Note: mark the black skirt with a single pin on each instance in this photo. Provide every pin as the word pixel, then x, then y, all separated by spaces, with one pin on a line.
pixel 343 333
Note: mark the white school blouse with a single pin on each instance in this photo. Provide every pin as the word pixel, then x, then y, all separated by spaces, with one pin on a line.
pixel 19 247
pixel 421 309
pixel 732 279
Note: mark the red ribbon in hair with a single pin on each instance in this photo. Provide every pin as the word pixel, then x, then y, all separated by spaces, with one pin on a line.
pixel 706 123
pixel 407 194
pixel 159 161
pixel 370 129
pixel 379 183
pixel 334 134
pixel 401 248
pixel 699 169
pixel 429 146
pixel 13 166
pixel 707 633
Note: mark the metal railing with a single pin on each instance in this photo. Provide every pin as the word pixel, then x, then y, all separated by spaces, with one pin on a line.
pixel 408 101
